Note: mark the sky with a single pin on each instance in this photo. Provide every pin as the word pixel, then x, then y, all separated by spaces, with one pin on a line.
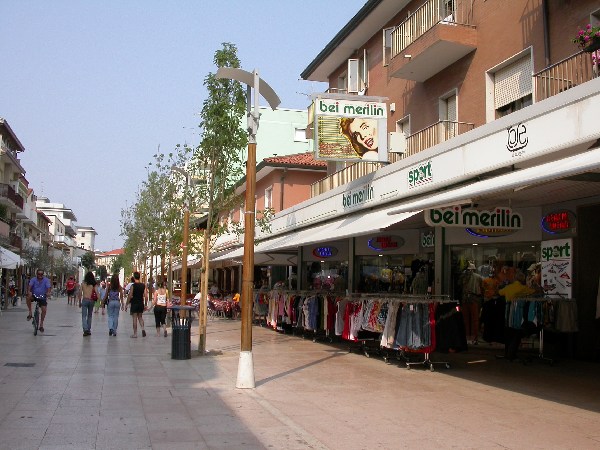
pixel 93 89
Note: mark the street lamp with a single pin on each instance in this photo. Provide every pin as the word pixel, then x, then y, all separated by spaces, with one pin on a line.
pixel 186 226
pixel 245 376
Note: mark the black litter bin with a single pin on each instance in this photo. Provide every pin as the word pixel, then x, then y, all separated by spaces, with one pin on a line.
pixel 181 347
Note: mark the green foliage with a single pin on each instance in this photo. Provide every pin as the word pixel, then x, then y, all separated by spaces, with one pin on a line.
pixel 36 258
pixel 117 264
pixel 88 260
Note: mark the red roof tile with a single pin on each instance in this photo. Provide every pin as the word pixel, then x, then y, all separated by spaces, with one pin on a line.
pixel 299 159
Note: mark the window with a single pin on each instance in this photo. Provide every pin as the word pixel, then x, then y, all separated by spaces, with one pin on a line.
pixel 358 72
pixel 514 106
pixel 299 134
pixel 387 45
pixel 513 86
pixel 82 246
pixel 242 215
pixel 341 85
pixel 83 234
pixel 403 126
pixel 449 116
pixel 230 217
pixel 269 197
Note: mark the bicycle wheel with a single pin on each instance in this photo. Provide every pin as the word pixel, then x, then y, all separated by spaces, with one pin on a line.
pixel 35 321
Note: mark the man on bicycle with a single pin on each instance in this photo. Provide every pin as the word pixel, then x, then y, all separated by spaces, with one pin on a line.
pixel 39 288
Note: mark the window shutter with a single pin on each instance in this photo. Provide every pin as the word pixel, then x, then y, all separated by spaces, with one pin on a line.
pixel 513 82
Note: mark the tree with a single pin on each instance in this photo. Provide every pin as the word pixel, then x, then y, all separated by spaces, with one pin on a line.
pixel 219 159
pixel 88 260
pixel 36 257
pixel 117 264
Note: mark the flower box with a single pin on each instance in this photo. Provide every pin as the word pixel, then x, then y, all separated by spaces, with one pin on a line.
pixel 593 45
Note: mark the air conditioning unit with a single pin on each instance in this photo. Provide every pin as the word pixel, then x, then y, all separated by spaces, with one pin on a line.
pixel 396 142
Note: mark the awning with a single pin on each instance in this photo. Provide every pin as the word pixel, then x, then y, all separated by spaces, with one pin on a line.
pixel 362 223
pixel 8 259
pixel 582 162
pixel 193 261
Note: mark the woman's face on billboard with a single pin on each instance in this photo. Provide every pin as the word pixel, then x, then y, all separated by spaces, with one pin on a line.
pixel 365 132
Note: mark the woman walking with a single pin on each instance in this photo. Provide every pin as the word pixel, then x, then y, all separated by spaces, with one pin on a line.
pixel 114 301
pixel 160 308
pixel 137 298
pixel 87 296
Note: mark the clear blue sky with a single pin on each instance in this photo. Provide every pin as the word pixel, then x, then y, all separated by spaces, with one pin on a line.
pixel 92 88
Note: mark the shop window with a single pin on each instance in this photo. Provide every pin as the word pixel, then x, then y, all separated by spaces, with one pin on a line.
pixel 500 260
pixel 327 275
pixel 393 274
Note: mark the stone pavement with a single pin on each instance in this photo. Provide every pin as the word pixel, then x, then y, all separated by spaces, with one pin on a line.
pixel 104 392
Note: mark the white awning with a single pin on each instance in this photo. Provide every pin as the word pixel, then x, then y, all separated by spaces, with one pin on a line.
pixel 8 259
pixel 193 261
pixel 364 222
pixel 582 162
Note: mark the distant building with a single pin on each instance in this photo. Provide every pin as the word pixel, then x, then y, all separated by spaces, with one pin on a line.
pixel 281 132
pixel 86 238
pixel 108 258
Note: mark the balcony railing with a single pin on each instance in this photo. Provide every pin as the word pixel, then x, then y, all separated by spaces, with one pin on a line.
pixel 430 136
pixel 425 18
pixel 565 74
pixel 344 176
pixel 421 140
pixel 7 191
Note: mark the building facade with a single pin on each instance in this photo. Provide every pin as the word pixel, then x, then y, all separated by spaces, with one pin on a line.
pixel 499 165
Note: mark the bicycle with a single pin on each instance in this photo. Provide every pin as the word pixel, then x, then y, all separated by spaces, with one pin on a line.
pixel 35 321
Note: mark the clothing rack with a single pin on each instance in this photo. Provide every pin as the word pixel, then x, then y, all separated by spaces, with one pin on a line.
pixel 363 335
pixel 551 298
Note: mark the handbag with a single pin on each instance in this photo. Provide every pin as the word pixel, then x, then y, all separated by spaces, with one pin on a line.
pixel 94 295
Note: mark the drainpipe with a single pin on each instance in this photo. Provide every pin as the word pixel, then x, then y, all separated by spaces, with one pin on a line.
pixel 281 180
pixel 545 14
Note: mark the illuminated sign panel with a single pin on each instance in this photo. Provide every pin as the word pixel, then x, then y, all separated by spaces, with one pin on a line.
pixel 324 252
pixel 558 222
pixel 347 130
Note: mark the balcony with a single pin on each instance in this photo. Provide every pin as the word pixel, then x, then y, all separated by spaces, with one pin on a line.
pixel 421 140
pixel 432 38
pixel 9 197
pixel 432 135
pixel 570 72
pixel 61 241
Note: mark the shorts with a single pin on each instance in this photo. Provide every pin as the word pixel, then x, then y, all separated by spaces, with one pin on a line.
pixel 70 292
pixel 41 301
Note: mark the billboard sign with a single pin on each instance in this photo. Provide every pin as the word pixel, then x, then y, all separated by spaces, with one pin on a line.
pixel 350 129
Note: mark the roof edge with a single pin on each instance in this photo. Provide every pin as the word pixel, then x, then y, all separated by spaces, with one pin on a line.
pixel 363 13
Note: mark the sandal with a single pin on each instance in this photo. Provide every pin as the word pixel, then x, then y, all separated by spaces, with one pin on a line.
pixel 29 317
pixel 165 333
pixel 133 336
pixel 143 333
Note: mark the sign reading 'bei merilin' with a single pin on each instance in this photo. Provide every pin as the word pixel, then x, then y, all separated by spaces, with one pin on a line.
pixel 499 217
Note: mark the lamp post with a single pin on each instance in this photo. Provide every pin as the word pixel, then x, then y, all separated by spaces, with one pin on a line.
pixel 245 376
pixel 184 245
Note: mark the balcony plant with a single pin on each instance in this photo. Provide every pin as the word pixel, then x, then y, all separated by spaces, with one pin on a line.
pixel 588 39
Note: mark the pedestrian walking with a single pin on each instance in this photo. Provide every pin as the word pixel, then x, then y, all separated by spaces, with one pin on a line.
pixel 113 299
pixel 159 302
pixel 137 299
pixel 88 295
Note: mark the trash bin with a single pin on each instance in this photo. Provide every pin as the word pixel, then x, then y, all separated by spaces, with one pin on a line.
pixel 181 334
